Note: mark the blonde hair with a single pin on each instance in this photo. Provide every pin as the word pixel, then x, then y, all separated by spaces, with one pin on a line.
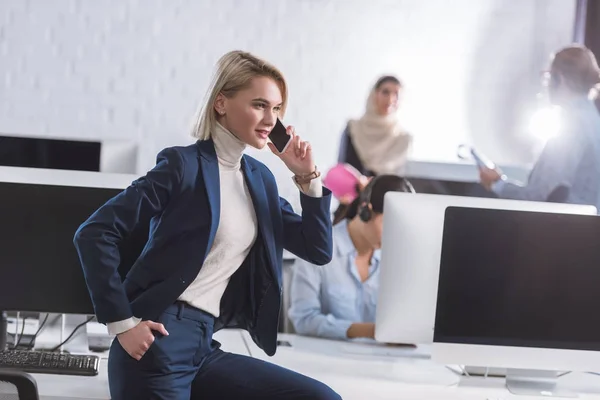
pixel 234 72
pixel 578 66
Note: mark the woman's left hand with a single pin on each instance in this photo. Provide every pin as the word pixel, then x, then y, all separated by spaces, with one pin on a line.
pixel 298 155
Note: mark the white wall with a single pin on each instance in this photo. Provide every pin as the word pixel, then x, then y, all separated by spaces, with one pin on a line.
pixel 137 69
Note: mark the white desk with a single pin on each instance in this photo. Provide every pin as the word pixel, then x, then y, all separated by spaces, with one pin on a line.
pixel 66 387
pixel 359 371
pixel 457 171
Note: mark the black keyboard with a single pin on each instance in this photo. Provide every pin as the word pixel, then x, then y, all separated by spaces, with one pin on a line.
pixel 43 362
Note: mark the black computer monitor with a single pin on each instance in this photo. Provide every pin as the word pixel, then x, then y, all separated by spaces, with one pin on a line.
pixel 39 267
pixel 519 290
pixel 50 153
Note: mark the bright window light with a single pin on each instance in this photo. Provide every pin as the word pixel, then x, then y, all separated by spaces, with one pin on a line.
pixel 546 123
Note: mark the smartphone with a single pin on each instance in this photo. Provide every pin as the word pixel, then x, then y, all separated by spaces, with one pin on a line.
pixel 279 137
pixel 481 160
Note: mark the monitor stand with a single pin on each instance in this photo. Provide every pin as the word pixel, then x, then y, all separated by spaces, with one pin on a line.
pixel 535 383
pixel 57 328
pixel 484 371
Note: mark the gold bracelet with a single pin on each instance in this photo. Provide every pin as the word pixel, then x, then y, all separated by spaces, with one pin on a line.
pixel 303 179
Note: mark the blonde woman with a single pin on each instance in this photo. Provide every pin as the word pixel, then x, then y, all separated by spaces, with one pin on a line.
pixel 214 255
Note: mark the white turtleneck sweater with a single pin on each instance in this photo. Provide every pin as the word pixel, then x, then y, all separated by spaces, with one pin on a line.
pixel 235 234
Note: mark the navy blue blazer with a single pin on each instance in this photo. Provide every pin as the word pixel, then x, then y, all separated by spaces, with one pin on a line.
pixel 180 200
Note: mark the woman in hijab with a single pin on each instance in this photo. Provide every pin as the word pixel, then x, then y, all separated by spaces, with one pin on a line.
pixel 376 143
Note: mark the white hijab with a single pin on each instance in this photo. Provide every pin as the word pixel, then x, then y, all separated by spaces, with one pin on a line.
pixel 380 141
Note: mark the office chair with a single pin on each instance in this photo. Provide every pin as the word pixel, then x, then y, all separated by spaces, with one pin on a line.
pixel 17 385
pixel 559 195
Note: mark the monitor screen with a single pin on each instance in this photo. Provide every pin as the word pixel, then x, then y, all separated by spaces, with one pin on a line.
pixel 410 260
pixel 39 266
pixel 524 279
pixel 49 153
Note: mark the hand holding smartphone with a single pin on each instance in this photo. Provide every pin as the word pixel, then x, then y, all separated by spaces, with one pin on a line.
pixel 279 137
pixel 481 160
pixel 465 152
pixel 295 153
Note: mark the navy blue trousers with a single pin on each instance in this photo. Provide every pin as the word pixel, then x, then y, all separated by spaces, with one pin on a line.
pixel 188 364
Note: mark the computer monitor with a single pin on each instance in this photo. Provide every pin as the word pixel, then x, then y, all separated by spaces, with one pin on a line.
pixel 112 156
pixel 411 247
pixel 519 290
pixel 29 152
pixel 40 210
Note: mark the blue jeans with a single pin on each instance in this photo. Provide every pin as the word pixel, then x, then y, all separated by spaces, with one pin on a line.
pixel 188 364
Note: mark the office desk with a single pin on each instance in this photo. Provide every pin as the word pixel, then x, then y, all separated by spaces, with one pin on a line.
pixel 361 371
pixel 357 371
pixel 459 171
pixel 454 178
pixel 68 387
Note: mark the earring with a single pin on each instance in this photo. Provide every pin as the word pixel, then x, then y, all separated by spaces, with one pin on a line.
pixel 221 112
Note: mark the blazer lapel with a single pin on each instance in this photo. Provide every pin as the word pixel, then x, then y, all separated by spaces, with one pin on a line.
pixel 210 173
pixel 257 190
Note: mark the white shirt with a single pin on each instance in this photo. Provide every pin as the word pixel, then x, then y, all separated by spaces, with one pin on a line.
pixel 236 232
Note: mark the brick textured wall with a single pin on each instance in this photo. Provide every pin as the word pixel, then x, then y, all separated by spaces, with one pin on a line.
pixel 138 68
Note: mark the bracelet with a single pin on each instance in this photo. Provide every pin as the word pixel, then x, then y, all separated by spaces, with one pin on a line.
pixel 303 179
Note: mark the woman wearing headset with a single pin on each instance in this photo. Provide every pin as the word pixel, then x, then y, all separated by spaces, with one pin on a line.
pixel 213 258
pixel 339 300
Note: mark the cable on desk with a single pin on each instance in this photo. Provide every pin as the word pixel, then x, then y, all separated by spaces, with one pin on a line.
pixel 72 334
pixel 454 370
pixel 20 335
pixel 34 337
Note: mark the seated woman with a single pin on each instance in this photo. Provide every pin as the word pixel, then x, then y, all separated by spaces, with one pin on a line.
pixel 376 143
pixel 338 300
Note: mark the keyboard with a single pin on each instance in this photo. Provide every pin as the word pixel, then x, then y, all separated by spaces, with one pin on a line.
pixel 44 362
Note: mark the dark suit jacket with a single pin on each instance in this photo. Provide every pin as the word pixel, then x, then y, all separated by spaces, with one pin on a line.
pixel 180 200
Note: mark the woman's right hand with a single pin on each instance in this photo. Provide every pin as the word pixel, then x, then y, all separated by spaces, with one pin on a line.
pixel 489 176
pixel 138 340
